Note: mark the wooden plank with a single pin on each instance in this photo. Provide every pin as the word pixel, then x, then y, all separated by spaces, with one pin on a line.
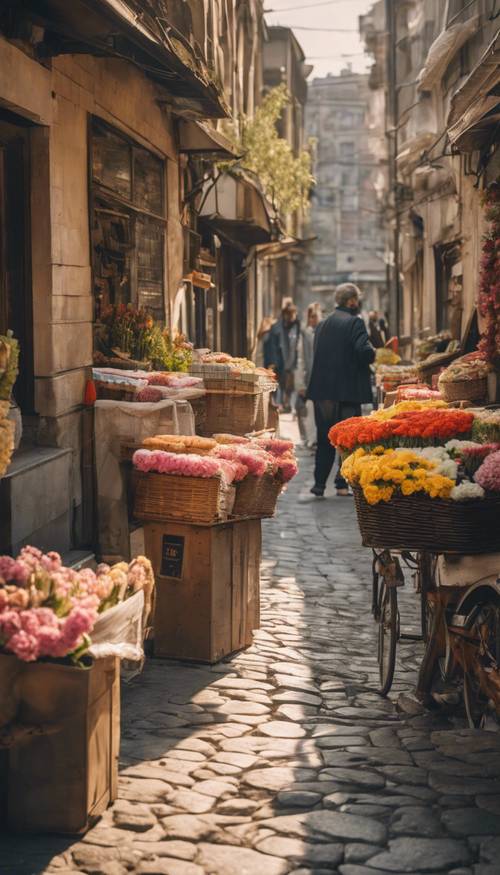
pixel 239 588
pixel 253 588
pixel 220 620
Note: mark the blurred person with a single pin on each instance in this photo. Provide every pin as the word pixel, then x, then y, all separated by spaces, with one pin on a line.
pixel 304 408
pixel 383 324
pixel 340 379
pixel 283 352
pixel 375 334
pixel 263 344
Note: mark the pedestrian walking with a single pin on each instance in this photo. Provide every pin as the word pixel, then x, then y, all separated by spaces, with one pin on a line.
pixel 377 339
pixel 340 378
pixel 304 408
pixel 283 352
pixel 263 343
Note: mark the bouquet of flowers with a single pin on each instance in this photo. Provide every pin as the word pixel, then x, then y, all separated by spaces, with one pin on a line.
pixel 257 461
pixel 486 427
pixel 410 428
pixel 430 471
pixel 488 475
pixel 188 465
pixel 48 610
pixel 132 331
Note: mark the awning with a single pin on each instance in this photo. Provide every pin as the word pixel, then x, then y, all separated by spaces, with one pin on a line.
pixel 130 30
pixel 475 108
pixel 237 210
pixel 286 246
pixel 197 137
pixel 443 50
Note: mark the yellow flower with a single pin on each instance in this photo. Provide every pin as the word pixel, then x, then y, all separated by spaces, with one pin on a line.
pixel 404 407
pixel 380 474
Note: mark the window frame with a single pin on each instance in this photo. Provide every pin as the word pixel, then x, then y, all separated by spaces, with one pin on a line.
pixel 104 199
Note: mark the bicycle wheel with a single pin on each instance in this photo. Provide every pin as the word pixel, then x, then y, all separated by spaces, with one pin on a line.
pixel 481 710
pixel 388 630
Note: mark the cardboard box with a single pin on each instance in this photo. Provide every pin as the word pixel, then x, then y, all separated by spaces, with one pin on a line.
pixel 60 734
pixel 207 587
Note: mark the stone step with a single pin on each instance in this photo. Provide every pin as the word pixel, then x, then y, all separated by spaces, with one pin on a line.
pixel 78 559
pixel 35 501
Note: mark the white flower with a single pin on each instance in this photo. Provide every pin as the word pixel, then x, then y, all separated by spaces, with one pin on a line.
pixel 466 490
pixel 460 445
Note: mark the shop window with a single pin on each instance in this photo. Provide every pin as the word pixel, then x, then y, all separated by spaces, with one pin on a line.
pixel 128 223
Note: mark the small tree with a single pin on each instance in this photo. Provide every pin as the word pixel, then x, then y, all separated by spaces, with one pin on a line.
pixel 285 178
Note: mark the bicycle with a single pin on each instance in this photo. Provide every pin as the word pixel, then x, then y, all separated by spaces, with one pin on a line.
pixel 387 577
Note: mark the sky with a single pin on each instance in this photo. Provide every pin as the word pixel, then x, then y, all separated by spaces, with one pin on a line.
pixel 324 49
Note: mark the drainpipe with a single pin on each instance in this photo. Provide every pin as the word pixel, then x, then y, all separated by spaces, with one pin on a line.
pixel 392 143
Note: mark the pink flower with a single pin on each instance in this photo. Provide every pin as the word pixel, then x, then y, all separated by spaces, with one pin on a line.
pixel 24 646
pixel 13 571
pixel 10 623
pixel 182 464
pixel 275 446
pixel 488 475
pixel 288 467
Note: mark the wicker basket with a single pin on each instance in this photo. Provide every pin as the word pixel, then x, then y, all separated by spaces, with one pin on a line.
pixel 115 391
pixel 203 500
pixel 464 390
pixel 418 522
pixel 231 384
pixel 231 413
pixel 257 496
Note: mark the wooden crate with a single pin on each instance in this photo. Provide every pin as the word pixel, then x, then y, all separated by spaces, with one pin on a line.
pixel 60 730
pixel 207 587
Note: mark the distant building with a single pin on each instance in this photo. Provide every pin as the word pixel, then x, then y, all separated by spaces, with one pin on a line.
pixel 435 79
pixel 345 213
pixel 280 266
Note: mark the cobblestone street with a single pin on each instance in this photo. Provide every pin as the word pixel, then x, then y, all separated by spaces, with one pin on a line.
pixel 283 759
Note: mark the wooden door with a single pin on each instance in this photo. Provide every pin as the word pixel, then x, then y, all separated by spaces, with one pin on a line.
pixel 16 306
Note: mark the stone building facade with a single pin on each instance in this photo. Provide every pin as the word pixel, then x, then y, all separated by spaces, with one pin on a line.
pixel 102 108
pixel 438 98
pixel 345 215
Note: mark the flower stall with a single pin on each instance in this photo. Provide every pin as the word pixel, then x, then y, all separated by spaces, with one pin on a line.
pixel 62 634
pixel 201 501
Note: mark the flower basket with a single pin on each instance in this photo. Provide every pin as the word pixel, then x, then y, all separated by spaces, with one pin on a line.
pixel 464 390
pixel 60 734
pixel 418 522
pixel 257 496
pixel 203 500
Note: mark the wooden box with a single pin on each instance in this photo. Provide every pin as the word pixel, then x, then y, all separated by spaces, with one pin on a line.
pixel 59 743
pixel 207 587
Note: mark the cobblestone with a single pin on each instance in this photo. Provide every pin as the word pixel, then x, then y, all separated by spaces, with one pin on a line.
pixel 283 759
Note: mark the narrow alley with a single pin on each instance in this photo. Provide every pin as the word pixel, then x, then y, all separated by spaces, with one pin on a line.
pixel 282 759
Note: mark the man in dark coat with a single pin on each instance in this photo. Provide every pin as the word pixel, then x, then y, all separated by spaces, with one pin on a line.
pixel 340 379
